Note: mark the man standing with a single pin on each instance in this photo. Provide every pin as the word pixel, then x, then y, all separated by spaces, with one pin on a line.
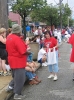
pixel 17 58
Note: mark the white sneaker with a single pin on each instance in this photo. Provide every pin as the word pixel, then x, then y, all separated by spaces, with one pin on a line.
pixel 44 64
pixel 51 76
pixel 19 97
pixel 55 78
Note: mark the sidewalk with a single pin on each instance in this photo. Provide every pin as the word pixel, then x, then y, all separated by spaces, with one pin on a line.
pixel 4 80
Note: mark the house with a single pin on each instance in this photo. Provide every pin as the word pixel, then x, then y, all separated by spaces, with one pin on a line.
pixel 15 18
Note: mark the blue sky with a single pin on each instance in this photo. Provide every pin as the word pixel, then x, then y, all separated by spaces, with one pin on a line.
pixel 70 3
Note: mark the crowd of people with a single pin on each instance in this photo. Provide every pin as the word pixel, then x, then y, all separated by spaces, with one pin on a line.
pixel 16 52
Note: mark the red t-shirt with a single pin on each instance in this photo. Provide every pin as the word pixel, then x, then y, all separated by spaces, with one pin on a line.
pixel 16 49
pixel 50 43
pixel 71 41
pixel 63 31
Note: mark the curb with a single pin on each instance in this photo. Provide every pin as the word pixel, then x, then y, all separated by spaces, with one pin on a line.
pixel 9 95
pixel 5 95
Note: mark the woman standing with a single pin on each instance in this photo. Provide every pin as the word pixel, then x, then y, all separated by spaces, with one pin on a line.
pixel 71 41
pixel 17 58
pixel 52 43
pixel 3 53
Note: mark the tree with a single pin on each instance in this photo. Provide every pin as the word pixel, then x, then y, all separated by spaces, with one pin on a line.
pixel 25 7
pixel 47 14
pixel 9 23
pixel 66 12
pixel 3 14
pixel 71 21
pixel 51 16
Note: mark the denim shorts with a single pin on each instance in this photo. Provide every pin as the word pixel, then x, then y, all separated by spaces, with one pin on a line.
pixel 40 61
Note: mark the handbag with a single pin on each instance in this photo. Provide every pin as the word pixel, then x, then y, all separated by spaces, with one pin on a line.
pixel 51 57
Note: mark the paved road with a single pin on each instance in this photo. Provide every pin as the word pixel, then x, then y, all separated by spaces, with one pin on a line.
pixel 63 89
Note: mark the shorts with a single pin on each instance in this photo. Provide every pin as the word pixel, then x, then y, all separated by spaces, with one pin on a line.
pixel 3 54
pixel 40 61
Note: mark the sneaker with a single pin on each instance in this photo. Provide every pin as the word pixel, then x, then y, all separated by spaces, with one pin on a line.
pixel 5 74
pixel 1 73
pixel 33 82
pixel 19 97
pixel 51 76
pixel 9 89
pixel 55 78
pixel 36 79
pixel 44 64
pixel 9 72
pixel 73 77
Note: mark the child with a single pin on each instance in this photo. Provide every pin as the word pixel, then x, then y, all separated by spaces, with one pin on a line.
pixel 30 67
pixel 30 56
pixel 42 56
pixel 30 73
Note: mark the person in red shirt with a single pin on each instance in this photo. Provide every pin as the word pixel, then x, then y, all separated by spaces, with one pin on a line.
pixel 71 41
pixel 17 59
pixel 51 42
pixel 63 33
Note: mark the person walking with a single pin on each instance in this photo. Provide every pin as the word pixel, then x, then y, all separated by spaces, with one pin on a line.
pixel 52 43
pixel 17 58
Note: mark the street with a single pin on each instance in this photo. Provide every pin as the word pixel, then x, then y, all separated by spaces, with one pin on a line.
pixel 63 89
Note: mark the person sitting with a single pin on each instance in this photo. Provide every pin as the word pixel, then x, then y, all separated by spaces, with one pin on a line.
pixel 31 67
pixel 42 56
pixel 30 73
pixel 30 56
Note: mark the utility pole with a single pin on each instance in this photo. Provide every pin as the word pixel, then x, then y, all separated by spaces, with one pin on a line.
pixel 60 14
pixel 3 14
pixel 68 16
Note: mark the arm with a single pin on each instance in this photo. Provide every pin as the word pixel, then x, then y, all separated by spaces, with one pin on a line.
pixel 3 40
pixel 55 43
pixel 31 66
pixel 56 46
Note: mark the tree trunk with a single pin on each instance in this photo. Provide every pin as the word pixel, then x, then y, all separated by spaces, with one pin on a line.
pixel 3 14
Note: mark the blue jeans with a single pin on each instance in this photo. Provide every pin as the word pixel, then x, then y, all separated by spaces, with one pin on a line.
pixel 30 75
pixel 54 68
pixel 30 57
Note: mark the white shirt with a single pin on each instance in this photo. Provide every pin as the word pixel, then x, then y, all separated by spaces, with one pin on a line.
pixel 55 33
pixel 38 40
pixel 66 33
pixel 41 53
pixel 36 32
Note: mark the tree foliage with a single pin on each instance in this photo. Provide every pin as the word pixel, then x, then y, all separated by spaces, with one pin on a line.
pixel 66 12
pixel 25 7
pixel 51 15
pixel 40 11
pixel 9 23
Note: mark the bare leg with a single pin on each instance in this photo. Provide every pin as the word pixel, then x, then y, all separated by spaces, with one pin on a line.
pixel 3 66
pixel 44 59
